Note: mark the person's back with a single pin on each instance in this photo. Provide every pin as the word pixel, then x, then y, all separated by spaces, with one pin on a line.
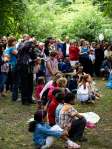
pixel 38 90
pixel 53 105
pixel 65 118
pixel 39 137
pixel 71 120
pixel 72 85
pixel 57 113
pixel 41 130
pixel 83 93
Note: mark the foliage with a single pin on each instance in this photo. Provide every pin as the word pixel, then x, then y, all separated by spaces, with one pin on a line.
pixel 105 6
pixel 50 19
pixel 86 24
pixel 11 14
pixel 43 18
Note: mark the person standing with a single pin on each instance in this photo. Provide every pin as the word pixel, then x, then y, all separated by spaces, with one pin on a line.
pixel 51 66
pixel 99 55
pixel 25 64
pixel 66 46
pixel 74 53
pixel 9 55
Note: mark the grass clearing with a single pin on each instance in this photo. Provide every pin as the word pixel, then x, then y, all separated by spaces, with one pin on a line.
pixel 14 116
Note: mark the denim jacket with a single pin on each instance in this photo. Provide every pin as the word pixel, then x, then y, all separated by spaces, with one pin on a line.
pixel 42 131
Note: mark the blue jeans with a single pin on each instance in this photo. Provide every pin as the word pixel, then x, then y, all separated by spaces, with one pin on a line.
pixel 15 84
pixel 3 78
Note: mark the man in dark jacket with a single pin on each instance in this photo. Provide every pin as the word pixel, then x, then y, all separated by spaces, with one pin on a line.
pixel 66 45
pixel 25 62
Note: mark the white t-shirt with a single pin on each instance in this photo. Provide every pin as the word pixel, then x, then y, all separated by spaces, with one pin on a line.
pixel 92 57
pixel 83 93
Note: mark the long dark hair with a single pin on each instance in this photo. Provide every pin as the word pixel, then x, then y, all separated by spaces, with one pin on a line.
pixel 38 118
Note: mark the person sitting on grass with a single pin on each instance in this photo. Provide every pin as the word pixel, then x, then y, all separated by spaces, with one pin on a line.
pixel 43 133
pixel 84 90
pixel 60 99
pixel 58 95
pixel 105 68
pixel 94 93
pixel 71 120
pixel 40 85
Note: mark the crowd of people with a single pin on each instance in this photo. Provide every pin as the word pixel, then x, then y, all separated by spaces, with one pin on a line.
pixel 60 72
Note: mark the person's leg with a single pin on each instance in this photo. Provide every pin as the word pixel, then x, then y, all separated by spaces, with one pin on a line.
pixel 77 129
pixel 23 83
pixel 24 88
pixel 30 88
pixel 9 81
pixel 4 79
pixel 8 84
pixel 49 143
pixel 15 75
pixel 97 68
pixel 1 80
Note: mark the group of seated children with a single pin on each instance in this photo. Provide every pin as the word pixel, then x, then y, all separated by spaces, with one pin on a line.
pixel 79 83
pixel 55 106
pixel 58 120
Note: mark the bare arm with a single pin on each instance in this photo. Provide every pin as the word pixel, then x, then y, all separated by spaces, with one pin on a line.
pixel 49 68
pixel 76 114
pixel 14 52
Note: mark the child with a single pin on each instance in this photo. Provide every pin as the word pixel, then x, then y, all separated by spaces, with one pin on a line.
pixel 41 72
pixel 42 130
pixel 57 96
pixel 4 75
pixel 79 72
pixel 40 85
pixel 83 92
pixel 93 89
pixel 65 66
pixel 62 83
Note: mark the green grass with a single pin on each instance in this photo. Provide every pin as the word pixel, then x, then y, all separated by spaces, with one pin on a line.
pixel 14 116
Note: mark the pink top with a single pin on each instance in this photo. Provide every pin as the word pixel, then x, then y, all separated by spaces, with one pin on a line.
pixel 54 66
pixel 38 90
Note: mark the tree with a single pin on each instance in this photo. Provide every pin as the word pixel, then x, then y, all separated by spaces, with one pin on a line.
pixel 11 14
pixel 105 6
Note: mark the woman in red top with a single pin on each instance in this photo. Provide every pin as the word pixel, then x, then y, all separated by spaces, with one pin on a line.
pixel 74 53
pixel 53 105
